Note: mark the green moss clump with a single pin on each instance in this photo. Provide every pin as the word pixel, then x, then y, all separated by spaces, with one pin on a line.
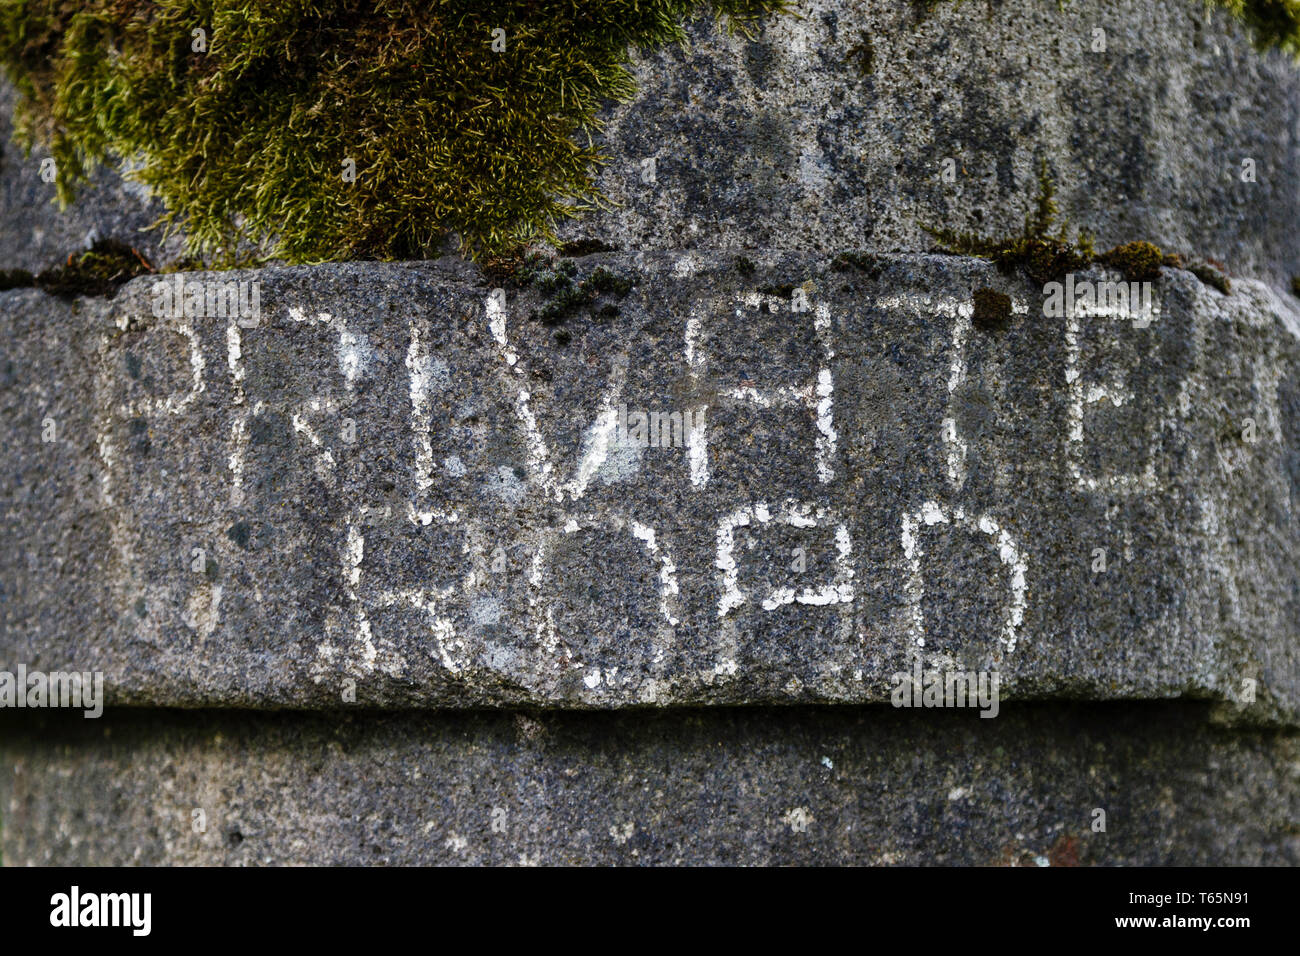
pixel 1274 23
pixel 568 294
pixel 1211 276
pixel 338 129
pixel 1043 254
pixel 992 310
pixel 249 130
pixel 604 282
pixel 1137 260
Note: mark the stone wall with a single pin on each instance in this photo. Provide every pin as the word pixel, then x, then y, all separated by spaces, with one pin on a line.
pixel 418 562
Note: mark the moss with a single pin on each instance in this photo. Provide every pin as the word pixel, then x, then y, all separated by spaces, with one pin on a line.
pixel 516 272
pixel 16 279
pixel 992 310
pixel 1295 286
pixel 602 281
pixel 1046 255
pixel 1211 276
pixel 251 142
pixel 99 271
pixel 557 279
pixel 1273 23
pixel 339 129
pixel 1041 253
pixel 568 294
pixel 1138 261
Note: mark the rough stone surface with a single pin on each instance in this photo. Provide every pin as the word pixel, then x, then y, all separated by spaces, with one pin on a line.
pixel 36 234
pixel 830 130
pixel 787 786
pixel 396 488
pixel 203 531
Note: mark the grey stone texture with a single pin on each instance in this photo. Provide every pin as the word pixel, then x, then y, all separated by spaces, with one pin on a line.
pixel 732 786
pixel 829 130
pixel 36 233
pixel 394 548
pixel 405 482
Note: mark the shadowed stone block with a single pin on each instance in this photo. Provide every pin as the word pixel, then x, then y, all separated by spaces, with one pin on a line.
pixel 1059 785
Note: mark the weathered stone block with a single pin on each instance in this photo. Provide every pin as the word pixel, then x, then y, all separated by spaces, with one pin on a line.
pixel 1060 785
pixel 399 479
